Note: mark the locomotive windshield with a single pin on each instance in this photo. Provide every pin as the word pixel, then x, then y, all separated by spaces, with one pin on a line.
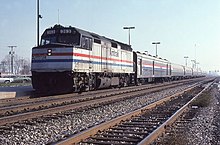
pixel 61 36
pixel 48 40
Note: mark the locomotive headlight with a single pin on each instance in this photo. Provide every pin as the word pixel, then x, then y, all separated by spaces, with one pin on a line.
pixel 49 52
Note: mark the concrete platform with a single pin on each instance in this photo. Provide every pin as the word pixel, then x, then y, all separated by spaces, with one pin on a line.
pixel 12 92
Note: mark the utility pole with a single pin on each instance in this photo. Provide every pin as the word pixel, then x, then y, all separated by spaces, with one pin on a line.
pixel 12 57
pixel 38 19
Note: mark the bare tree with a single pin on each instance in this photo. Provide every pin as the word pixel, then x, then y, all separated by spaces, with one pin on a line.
pixel 21 65
pixel 25 67
pixel 18 62
pixel 3 66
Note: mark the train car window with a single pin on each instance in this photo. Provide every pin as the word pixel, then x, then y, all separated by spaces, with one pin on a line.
pixel 86 42
pixel 97 41
pixel 114 45
pixel 48 40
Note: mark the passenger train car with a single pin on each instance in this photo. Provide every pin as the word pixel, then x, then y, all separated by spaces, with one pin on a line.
pixel 71 59
pixel 151 68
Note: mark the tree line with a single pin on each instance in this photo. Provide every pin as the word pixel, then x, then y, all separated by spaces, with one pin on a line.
pixel 21 66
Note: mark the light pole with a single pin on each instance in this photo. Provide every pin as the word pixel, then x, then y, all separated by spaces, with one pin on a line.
pixel 156 46
pixel 38 19
pixel 12 57
pixel 197 64
pixel 186 57
pixel 193 63
pixel 129 28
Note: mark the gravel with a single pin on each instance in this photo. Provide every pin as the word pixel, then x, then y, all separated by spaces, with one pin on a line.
pixel 202 129
pixel 205 127
pixel 53 128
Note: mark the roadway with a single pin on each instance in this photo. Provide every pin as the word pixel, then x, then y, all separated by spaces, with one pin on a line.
pixel 12 92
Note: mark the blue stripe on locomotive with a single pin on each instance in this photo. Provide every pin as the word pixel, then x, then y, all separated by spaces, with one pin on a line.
pixel 81 61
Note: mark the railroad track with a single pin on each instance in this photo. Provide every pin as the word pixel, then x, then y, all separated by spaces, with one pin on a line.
pixel 56 126
pixel 43 97
pixel 32 112
pixel 30 99
pixel 141 126
pixel 16 113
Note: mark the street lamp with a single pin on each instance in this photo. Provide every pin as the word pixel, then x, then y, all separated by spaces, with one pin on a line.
pixel 129 28
pixel 38 19
pixel 197 66
pixel 193 63
pixel 186 59
pixel 156 46
pixel 12 57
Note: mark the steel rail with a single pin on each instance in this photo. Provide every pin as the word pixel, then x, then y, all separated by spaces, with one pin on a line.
pixel 155 134
pixel 92 131
pixel 10 110
pixel 58 109
pixel 28 99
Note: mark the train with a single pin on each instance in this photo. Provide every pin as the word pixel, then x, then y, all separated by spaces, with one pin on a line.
pixel 72 59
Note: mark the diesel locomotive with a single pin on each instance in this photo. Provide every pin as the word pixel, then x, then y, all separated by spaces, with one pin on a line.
pixel 71 59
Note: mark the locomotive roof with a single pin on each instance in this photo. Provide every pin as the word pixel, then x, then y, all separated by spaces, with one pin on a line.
pixel 94 36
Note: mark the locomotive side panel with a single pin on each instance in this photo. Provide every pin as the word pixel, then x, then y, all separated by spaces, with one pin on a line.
pixel 82 59
pixel 104 52
pixel 115 59
pixel 126 62
pixel 96 59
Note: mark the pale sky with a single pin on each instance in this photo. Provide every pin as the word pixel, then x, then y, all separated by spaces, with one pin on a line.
pixel 184 27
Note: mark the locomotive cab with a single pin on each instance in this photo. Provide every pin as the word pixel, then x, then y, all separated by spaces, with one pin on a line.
pixel 60 35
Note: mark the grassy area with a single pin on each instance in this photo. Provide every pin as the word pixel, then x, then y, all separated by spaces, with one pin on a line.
pixel 14 84
pixel 203 100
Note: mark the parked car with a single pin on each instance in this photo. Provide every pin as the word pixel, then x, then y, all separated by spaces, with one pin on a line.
pixel 6 79
pixel 14 79
pixel 21 79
